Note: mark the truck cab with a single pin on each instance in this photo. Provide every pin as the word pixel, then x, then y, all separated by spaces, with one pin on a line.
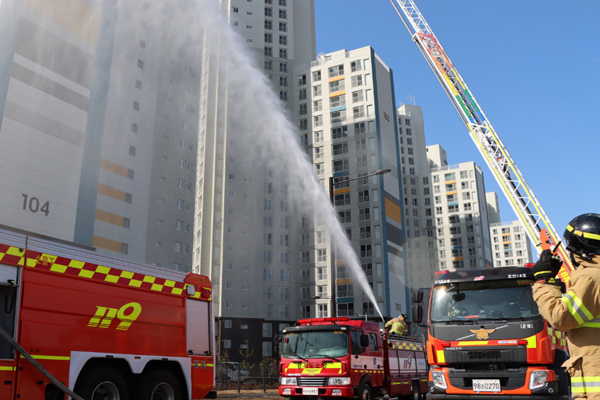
pixel 486 338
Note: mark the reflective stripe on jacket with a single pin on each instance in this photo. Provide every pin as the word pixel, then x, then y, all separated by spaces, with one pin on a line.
pixel 588 384
pixel 577 312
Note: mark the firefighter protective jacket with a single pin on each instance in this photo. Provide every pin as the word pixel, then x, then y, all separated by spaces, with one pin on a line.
pixel 577 312
pixel 398 326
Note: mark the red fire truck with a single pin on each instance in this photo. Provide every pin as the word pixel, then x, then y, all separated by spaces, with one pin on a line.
pixel 74 321
pixel 487 339
pixel 340 357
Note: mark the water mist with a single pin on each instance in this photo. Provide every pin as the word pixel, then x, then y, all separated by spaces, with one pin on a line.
pixel 266 131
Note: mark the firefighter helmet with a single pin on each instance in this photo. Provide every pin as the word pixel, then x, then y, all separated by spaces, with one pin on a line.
pixel 583 236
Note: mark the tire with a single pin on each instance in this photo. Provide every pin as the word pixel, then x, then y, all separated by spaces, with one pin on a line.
pixel 365 393
pixel 103 384
pixel 159 385
pixel 416 392
pixel 564 381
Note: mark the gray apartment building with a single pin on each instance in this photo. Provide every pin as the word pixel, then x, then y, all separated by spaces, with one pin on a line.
pixel 247 236
pixel 99 109
pixel 447 225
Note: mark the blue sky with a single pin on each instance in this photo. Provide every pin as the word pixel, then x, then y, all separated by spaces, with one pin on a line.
pixel 532 66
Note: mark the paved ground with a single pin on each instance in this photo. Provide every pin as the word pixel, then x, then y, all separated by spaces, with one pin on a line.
pixel 270 394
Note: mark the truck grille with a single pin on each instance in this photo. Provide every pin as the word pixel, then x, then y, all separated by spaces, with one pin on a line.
pixel 503 355
pixel 306 381
pixel 463 379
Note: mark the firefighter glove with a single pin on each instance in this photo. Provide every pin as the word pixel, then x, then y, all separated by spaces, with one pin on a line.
pixel 547 267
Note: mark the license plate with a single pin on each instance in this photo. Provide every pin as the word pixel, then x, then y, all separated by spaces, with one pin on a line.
pixel 310 391
pixel 486 385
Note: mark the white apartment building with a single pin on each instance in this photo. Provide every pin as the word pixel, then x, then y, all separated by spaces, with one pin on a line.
pixel 461 219
pixel 247 236
pixel 98 111
pixel 510 243
pixel 345 115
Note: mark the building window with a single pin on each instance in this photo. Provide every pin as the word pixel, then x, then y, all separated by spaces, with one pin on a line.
pixel 336 71
pixel 284 293
pixel 267 293
pixel 355 66
pixel 357 80
pixel 339 132
pixel 267 274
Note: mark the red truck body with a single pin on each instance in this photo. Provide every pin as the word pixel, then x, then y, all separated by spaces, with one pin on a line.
pixel 340 357
pixel 76 313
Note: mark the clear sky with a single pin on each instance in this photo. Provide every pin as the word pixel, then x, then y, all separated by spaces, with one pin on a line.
pixel 533 67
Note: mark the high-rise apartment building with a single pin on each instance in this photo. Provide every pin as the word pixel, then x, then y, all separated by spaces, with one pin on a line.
pixel 461 221
pixel 99 110
pixel 446 219
pixel 247 233
pixel 345 115
pixel 510 242
pixel 421 244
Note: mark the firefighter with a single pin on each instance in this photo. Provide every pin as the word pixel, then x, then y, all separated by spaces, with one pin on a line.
pixel 577 312
pixel 397 325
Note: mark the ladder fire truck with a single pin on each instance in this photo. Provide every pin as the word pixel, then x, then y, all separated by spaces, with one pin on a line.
pixel 73 322
pixel 340 357
pixel 505 171
pixel 494 349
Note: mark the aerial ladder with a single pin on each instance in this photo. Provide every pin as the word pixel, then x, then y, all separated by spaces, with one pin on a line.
pixel 507 174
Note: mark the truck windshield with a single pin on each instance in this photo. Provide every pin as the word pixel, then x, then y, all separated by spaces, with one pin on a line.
pixel 505 299
pixel 322 344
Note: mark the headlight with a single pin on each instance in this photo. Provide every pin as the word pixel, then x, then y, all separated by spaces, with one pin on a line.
pixel 289 381
pixel 538 379
pixel 339 381
pixel 439 380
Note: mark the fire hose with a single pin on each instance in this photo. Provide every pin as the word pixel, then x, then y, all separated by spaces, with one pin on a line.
pixel 38 366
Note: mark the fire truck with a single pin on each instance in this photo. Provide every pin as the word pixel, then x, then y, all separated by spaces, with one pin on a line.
pixel 486 338
pixel 340 357
pixel 73 322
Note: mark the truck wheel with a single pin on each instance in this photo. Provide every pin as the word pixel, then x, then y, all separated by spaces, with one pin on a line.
pixel 364 393
pixel 564 382
pixel 416 392
pixel 103 384
pixel 159 385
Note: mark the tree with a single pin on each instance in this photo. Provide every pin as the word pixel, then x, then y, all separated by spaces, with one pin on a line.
pixel 246 353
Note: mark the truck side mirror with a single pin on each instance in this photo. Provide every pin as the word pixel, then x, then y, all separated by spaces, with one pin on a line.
pixel 417 313
pixel 418 296
pixel 364 341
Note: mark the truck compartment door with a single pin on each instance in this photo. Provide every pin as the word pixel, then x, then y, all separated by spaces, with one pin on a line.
pixel 9 296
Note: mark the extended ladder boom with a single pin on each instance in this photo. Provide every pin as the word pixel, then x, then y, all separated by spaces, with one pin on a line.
pixel 513 184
